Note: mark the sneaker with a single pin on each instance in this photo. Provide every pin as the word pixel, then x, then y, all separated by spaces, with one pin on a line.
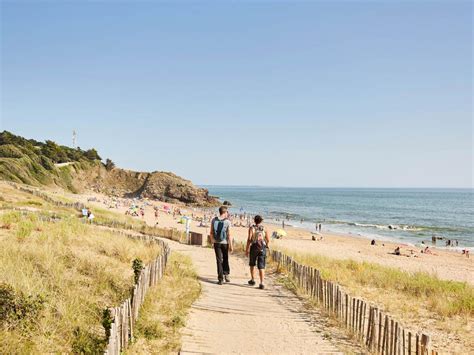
pixel 251 282
pixel 219 282
pixel 261 286
pixel 227 279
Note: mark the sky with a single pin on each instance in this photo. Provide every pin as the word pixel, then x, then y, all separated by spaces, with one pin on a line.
pixel 323 94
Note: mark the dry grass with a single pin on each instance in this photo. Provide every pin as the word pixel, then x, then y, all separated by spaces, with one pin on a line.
pixel 420 300
pixel 443 297
pixel 73 270
pixel 164 312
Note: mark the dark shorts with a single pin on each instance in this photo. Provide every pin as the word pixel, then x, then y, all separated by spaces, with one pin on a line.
pixel 257 258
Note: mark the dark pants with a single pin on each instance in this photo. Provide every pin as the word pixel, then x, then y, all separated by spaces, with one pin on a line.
pixel 257 257
pixel 222 259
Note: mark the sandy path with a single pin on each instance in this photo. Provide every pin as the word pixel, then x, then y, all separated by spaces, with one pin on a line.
pixel 237 318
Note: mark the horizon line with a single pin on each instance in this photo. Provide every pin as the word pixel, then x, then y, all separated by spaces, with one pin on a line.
pixel 337 187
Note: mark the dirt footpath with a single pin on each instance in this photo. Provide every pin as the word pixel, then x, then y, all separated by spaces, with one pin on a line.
pixel 240 319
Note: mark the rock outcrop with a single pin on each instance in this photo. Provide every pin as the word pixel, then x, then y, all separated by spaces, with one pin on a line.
pixel 159 185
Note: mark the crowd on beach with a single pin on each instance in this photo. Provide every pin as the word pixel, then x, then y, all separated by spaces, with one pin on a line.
pixel 137 208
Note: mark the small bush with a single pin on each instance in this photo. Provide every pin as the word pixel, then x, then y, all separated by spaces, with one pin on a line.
pixel 24 229
pixel 85 342
pixel 152 331
pixel 107 321
pixel 137 267
pixel 18 310
pixel 10 217
pixel 109 164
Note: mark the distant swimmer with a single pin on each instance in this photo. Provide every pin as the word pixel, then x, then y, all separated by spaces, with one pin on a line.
pixel 320 226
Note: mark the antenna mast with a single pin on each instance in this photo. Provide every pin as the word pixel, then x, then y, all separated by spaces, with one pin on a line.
pixel 74 136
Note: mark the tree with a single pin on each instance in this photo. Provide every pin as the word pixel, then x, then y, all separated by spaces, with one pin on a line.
pixel 92 154
pixel 54 152
pixel 109 164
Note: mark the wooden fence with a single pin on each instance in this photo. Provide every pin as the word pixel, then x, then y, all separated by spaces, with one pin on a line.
pixel 380 333
pixel 125 315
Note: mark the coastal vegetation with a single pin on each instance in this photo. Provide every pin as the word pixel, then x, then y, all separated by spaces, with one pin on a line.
pixel 419 299
pixel 34 163
pixel 59 274
pixel 57 277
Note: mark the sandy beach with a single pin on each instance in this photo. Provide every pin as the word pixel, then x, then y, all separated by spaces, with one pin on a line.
pixel 448 265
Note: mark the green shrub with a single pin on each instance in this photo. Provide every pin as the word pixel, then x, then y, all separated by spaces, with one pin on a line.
pixel 18 310
pixel 10 151
pixel 86 342
pixel 137 267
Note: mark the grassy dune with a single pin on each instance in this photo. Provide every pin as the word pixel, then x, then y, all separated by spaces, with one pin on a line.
pixel 55 280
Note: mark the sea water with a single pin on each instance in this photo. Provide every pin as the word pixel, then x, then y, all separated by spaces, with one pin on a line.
pixel 404 215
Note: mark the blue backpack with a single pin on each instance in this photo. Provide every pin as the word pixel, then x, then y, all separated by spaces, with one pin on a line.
pixel 220 230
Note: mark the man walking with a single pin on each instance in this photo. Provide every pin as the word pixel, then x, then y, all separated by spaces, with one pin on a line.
pixel 257 243
pixel 222 241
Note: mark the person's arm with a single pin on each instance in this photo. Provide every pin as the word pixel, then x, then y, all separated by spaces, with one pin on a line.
pixel 230 240
pixel 212 233
pixel 247 247
pixel 267 238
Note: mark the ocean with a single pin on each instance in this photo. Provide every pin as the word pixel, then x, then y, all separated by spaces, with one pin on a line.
pixel 402 215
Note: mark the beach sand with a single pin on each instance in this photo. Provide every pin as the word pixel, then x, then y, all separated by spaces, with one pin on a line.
pixel 447 265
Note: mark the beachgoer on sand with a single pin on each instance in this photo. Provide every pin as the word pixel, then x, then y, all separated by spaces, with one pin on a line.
pixel 222 241
pixel 257 243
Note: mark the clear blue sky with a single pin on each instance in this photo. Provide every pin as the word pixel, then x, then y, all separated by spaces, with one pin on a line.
pixel 370 94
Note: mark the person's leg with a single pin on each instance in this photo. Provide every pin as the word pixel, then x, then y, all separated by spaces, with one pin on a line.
pixel 252 263
pixel 252 272
pixel 219 259
pixel 261 267
pixel 225 261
